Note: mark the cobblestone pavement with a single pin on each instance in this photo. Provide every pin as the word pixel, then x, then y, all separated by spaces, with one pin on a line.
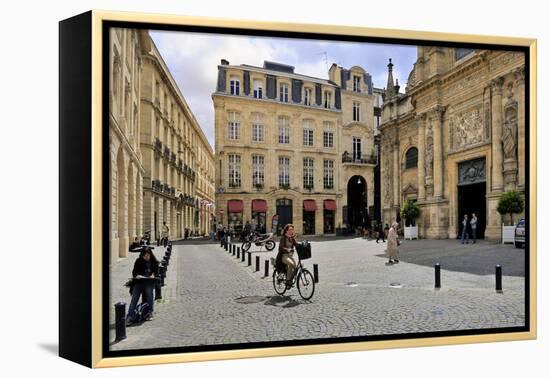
pixel 213 298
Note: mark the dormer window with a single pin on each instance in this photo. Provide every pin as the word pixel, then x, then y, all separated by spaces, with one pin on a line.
pixel 327 100
pixel 357 84
pixel 307 96
pixel 283 93
pixel 234 86
pixel 258 89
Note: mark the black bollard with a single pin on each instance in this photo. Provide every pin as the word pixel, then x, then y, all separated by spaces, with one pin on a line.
pixel 221 243
pixel 257 263
pixel 249 258
pixel 498 278
pixel 242 255
pixel 158 288
pixel 238 252
pixel 165 261
pixel 120 321
pixel 437 276
pixel 316 273
pixel 162 274
pixel 158 242
pixel 266 268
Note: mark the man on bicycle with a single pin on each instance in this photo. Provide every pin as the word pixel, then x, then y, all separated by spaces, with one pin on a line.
pixel 286 252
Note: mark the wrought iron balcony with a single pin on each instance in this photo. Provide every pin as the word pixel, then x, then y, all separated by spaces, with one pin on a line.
pixel 173 158
pixel 362 159
pixel 155 184
pixel 166 152
pixel 157 145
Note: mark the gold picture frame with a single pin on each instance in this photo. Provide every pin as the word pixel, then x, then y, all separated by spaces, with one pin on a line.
pixel 82 269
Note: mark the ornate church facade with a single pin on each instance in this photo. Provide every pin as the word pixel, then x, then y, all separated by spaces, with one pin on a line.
pixel 455 140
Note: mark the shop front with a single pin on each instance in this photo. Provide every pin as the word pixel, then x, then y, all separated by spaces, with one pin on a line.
pixel 309 217
pixel 235 215
pixel 259 210
pixel 329 211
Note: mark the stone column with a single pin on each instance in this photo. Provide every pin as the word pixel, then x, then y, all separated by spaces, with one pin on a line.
pixel 520 96
pixel 396 184
pixel 438 152
pixel 421 147
pixel 496 171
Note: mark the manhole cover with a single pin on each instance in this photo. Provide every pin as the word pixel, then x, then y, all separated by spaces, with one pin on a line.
pixel 251 299
pixel 352 284
pixel 396 285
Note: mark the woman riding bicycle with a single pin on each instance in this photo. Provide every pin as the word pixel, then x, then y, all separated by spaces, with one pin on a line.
pixel 286 252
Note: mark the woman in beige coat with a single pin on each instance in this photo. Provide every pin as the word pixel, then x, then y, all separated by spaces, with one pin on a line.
pixel 393 244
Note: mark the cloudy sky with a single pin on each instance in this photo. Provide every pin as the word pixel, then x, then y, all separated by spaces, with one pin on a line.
pixel 193 59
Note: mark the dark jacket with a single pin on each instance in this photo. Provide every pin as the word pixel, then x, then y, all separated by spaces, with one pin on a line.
pixel 143 268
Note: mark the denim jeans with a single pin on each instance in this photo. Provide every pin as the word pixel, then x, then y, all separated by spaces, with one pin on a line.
pixel 464 234
pixel 474 234
pixel 142 288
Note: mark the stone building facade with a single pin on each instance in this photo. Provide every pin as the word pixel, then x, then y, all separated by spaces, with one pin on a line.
pixel 126 169
pixel 295 146
pixel 455 140
pixel 161 165
pixel 178 183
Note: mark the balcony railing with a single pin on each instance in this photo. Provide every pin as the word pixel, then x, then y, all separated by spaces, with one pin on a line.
pixel 359 159
pixel 155 184
pixel 157 145
pixel 166 152
pixel 173 158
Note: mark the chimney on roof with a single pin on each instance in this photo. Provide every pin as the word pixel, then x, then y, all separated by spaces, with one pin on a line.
pixel 225 62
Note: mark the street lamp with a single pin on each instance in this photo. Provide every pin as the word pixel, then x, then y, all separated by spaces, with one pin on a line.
pixel 359 181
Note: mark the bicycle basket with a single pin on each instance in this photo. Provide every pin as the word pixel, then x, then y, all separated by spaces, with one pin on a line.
pixel 304 250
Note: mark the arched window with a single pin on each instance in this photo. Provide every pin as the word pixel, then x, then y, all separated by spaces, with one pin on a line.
pixel 411 158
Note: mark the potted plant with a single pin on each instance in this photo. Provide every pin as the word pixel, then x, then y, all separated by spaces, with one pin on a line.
pixel 410 212
pixel 510 202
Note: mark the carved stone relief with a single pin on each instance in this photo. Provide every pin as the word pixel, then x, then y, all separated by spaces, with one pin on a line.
pixel 468 128
pixel 510 127
pixel 429 151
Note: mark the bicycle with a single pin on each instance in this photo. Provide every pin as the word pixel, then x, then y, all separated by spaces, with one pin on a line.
pixel 303 279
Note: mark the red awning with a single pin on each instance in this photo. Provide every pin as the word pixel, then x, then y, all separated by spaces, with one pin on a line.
pixel 330 205
pixel 235 206
pixel 309 205
pixel 259 206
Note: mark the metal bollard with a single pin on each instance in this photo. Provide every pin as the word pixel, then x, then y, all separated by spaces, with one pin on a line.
pixel 233 249
pixel 242 255
pixel 158 289
pixel 257 263
pixel 437 276
pixel 158 242
pixel 165 261
pixel 249 258
pixel 225 246
pixel 120 321
pixel 498 278
pixel 266 268
pixel 238 252
pixel 316 273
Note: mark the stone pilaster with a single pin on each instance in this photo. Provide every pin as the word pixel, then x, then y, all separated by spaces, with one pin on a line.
pixel 496 171
pixel 396 174
pixel 520 95
pixel 421 119
pixel 438 152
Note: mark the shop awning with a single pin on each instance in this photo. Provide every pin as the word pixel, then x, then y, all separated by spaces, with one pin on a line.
pixel 309 205
pixel 235 206
pixel 259 206
pixel 330 205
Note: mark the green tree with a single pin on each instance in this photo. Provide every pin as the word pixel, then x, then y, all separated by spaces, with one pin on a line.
pixel 510 202
pixel 410 211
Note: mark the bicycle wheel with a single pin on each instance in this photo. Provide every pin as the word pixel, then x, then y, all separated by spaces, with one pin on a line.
pixel 245 246
pixel 306 284
pixel 269 245
pixel 279 281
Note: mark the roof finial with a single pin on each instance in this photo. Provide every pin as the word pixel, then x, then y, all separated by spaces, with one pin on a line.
pixel 390 87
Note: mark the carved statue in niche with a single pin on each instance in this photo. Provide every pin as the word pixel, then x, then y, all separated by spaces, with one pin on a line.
pixel 429 152
pixel 509 133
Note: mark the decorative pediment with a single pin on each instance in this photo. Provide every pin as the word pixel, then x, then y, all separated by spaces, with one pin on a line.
pixel 410 189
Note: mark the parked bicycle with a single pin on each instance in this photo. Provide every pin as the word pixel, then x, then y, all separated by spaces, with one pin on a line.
pixel 259 240
pixel 303 279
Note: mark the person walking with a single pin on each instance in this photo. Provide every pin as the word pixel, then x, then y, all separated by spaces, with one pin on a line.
pixel 473 226
pixel 464 229
pixel 380 235
pixel 165 234
pixel 392 248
